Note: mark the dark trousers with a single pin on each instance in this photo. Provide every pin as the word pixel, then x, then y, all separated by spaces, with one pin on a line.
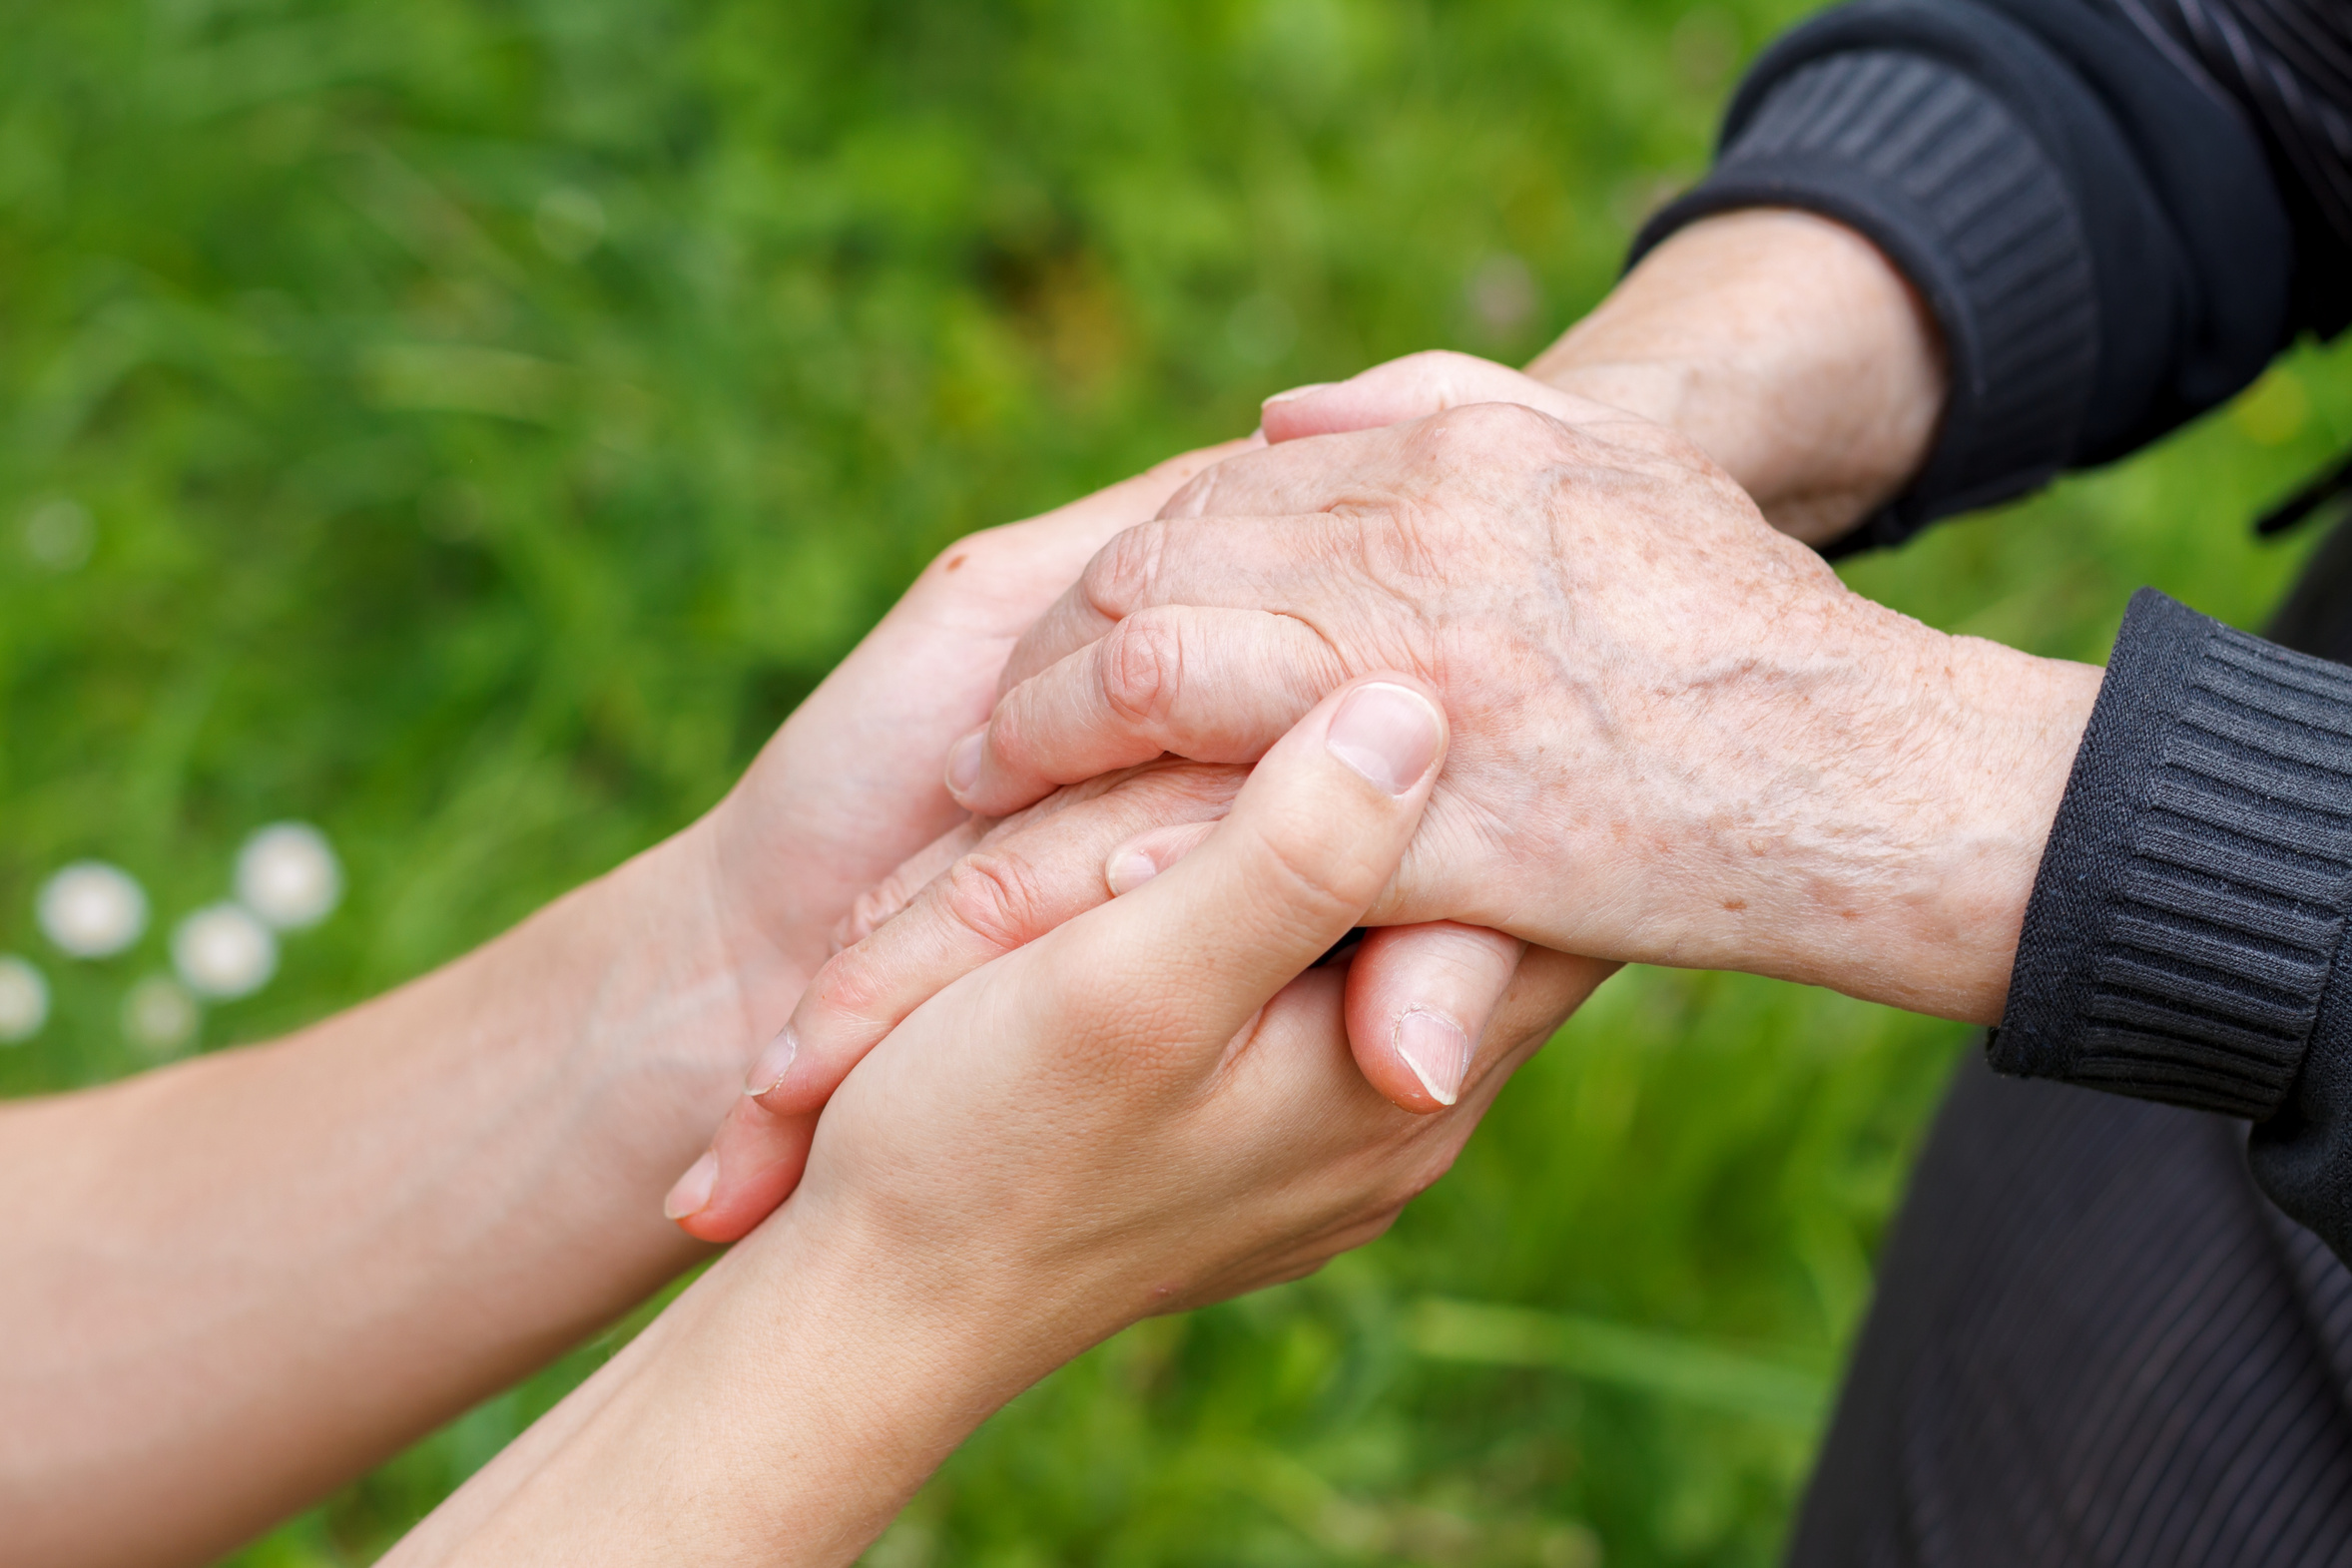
pixel 2094 1342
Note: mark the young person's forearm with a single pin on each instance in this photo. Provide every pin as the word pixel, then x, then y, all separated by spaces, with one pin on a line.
pixel 255 1275
pixel 779 1415
pixel 1786 348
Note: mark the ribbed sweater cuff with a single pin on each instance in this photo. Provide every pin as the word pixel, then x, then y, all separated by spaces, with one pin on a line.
pixel 2182 936
pixel 1932 168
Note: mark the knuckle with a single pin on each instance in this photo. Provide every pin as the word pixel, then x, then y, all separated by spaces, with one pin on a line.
pixel 1315 881
pixel 850 984
pixel 1192 498
pixel 1404 548
pixel 1681 454
pixel 996 896
pixel 1407 553
pixel 1121 573
pixel 1142 667
pixel 1486 433
pixel 871 910
pixel 1008 748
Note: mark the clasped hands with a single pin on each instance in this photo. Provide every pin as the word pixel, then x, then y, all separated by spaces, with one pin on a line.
pixel 1676 738
pixel 1522 682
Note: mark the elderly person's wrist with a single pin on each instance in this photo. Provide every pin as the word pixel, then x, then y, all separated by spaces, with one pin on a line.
pixel 1786 348
pixel 1907 878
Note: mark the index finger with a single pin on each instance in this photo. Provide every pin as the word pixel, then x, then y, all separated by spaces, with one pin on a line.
pixel 1259 508
pixel 1415 386
pixel 1258 485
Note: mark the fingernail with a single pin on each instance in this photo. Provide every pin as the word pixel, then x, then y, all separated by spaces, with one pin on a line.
pixel 774 1062
pixel 1297 392
pixel 693 1191
pixel 1130 871
pixel 964 762
pixel 1386 733
pixel 1437 1049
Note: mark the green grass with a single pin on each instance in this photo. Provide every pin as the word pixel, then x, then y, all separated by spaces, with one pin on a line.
pixel 495 415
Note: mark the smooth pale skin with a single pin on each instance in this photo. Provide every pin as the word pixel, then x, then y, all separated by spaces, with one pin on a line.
pixel 989 888
pixel 1146 1109
pixel 233 1284
pixel 246 1279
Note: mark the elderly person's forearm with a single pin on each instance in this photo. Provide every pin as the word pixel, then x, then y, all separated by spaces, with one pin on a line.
pixel 1786 348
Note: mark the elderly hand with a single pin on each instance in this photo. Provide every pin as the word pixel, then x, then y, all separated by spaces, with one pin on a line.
pixel 1679 738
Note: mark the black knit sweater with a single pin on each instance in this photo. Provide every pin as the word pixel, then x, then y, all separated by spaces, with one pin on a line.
pixel 2118 212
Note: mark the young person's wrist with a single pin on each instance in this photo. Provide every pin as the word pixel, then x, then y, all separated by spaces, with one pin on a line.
pixel 673 992
pixel 781 1412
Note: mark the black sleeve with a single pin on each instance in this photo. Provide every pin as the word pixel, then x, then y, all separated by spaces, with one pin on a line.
pixel 2183 939
pixel 2109 239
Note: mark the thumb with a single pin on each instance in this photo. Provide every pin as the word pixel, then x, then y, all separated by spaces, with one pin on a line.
pixel 1415 387
pixel 1312 841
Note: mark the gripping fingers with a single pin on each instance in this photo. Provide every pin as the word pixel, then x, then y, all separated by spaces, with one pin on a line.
pixel 1211 685
pixel 878 903
pixel 1025 879
pixel 1179 965
pixel 1419 1001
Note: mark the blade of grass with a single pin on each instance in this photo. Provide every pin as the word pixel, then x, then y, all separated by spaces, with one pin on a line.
pixel 1644 1360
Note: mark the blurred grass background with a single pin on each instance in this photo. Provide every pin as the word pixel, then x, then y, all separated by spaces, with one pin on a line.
pixel 481 420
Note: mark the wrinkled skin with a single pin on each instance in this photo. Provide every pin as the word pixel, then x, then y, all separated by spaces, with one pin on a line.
pixel 1679 738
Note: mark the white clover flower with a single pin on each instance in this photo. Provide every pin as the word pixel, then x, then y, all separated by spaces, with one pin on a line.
pixel 24 1000
pixel 287 874
pixel 159 1015
pixel 92 909
pixel 222 951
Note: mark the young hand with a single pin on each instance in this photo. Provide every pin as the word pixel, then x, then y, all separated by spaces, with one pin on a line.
pixel 1150 1107
pixel 848 788
pixel 1417 999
